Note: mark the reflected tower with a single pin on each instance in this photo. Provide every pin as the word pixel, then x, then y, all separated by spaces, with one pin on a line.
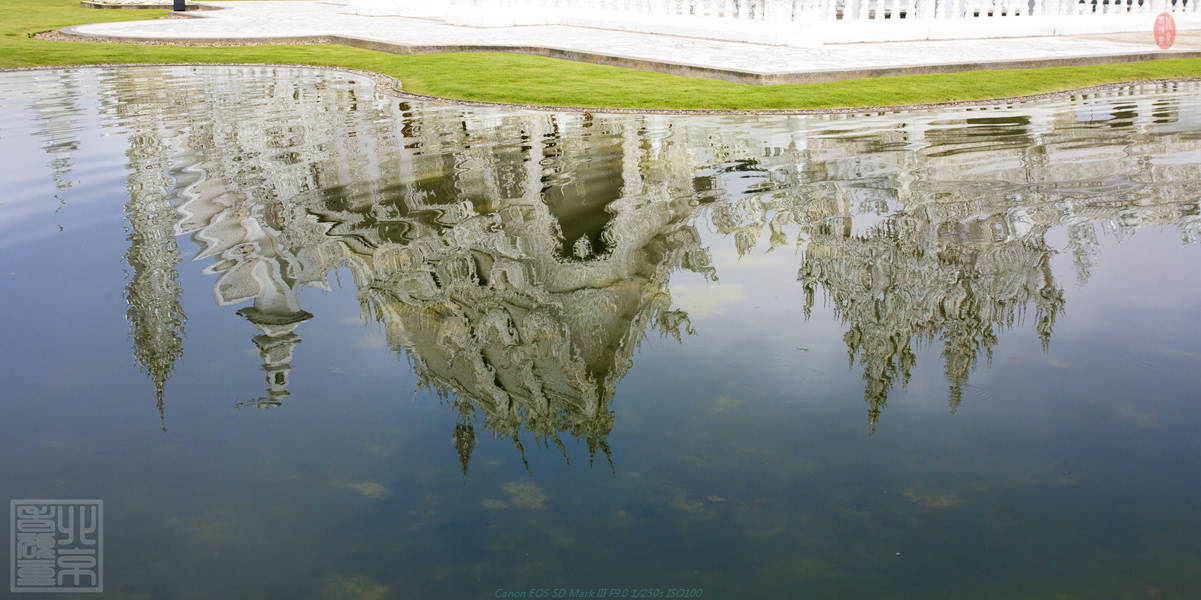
pixel 154 312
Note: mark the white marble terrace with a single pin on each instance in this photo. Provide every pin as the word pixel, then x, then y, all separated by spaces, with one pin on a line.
pixel 804 23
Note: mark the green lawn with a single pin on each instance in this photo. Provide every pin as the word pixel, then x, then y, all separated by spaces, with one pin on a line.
pixel 500 77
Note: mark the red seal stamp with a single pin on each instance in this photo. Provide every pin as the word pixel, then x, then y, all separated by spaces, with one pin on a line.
pixel 1165 30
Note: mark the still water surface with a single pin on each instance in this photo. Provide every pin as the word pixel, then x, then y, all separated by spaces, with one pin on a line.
pixel 310 341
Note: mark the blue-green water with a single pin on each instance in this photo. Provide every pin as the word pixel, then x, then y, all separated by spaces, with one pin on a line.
pixel 412 350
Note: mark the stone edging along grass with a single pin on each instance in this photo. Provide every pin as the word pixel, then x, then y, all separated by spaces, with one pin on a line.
pixel 541 83
pixel 394 87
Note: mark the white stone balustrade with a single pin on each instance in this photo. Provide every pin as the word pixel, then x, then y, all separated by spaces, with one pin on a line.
pixel 805 22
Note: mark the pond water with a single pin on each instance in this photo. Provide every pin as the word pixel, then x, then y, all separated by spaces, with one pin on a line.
pixel 306 340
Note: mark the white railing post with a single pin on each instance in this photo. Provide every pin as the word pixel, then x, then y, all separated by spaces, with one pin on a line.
pixel 863 9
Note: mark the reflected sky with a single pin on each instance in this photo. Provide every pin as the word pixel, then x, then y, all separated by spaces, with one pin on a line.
pixel 331 343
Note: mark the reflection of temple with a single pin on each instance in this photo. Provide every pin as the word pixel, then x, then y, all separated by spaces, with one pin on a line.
pixel 519 283
pixel 935 231
pixel 518 279
pixel 518 259
pixel 532 312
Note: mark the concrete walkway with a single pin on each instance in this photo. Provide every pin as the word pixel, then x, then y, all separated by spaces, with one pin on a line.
pixel 314 21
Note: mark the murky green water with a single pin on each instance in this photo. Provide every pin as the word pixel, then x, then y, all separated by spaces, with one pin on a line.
pixel 305 340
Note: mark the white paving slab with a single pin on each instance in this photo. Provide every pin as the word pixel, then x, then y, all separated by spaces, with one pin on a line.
pixel 289 19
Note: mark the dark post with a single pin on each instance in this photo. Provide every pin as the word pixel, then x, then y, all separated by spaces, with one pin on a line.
pixel 179 6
